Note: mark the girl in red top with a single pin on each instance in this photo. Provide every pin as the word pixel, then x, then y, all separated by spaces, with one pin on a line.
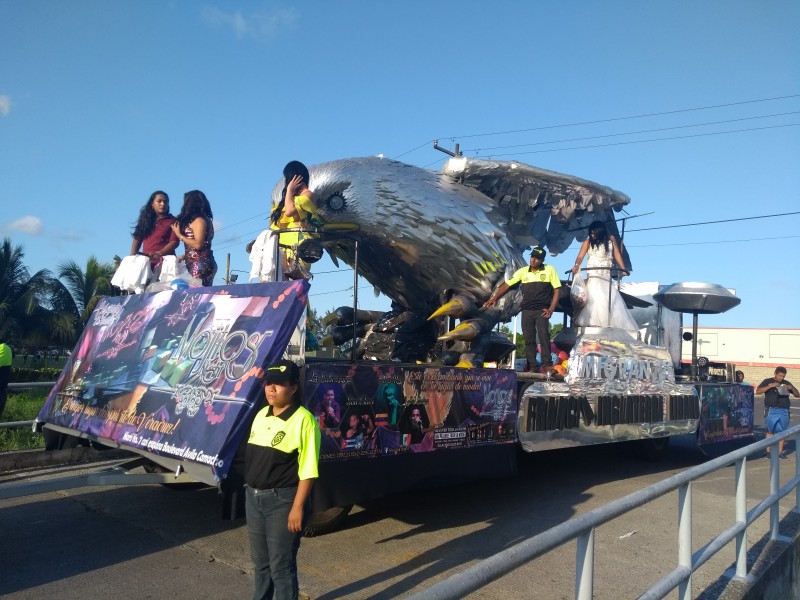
pixel 153 233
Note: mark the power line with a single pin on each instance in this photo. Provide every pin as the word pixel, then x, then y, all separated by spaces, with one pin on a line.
pixel 664 139
pixel 715 222
pixel 598 121
pixel 345 269
pixel 239 239
pixel 627 118
pixel 347 289
pixel 243 221
pixel 595 137
pixel 771 238
pixel 414 149
pixel 431 163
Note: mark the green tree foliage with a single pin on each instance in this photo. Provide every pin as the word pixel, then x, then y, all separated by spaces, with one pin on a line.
pixel 315 321
pixel 64 319
pixel 86 286
pixel 35 310
pixel 554 329
pixel 20 293
pixel 31 308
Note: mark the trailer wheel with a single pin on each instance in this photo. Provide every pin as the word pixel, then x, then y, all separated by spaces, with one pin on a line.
pixel 327 520
pixel 650 450
pixel 55 440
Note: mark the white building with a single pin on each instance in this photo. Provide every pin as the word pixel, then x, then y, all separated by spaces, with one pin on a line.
pixel 756 352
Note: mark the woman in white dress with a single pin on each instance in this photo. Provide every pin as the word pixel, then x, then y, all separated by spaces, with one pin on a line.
pixel 602 251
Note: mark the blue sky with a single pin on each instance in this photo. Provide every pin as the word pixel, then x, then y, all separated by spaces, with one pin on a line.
pixel 102 102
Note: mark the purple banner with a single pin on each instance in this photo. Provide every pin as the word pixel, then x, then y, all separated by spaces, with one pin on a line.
pixel 176 373
pixel 370 410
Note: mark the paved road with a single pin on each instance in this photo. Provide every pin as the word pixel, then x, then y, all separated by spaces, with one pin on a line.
pixel 153 542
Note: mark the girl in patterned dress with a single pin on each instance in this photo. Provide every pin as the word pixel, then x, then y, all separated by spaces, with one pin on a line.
pixel 195 228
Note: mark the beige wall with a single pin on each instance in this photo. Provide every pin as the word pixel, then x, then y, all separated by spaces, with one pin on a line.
pixel 755 352
pixel 753 347
pixel 755 375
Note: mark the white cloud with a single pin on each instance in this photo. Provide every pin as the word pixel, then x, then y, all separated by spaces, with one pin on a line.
pixel 260 24
pixel 5 105
pixel 28 224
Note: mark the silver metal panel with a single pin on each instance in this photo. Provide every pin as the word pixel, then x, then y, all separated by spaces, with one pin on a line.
pixel 697 298
pixel 582 435
pixel 606 365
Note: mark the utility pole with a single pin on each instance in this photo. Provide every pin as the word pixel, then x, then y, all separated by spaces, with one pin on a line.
pixel 445 150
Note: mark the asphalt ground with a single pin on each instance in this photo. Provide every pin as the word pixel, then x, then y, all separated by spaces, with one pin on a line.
pixel 154 542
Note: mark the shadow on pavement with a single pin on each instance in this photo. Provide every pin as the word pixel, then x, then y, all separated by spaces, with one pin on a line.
pixel 550 488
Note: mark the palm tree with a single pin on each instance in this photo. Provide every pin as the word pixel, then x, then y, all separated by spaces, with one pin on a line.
pixel 34 310
pixel 21 296
pixel 86 286
pixel 65 325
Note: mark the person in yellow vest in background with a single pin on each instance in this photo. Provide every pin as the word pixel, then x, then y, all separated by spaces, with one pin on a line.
pixel 6 356
pixel 295 209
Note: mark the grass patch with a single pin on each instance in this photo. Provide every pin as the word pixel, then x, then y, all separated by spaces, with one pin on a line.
pixel 23 405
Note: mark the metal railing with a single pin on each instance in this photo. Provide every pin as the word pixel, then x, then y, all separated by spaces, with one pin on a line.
pixel 582 529
pixel 30 384
pixel 16 424
pixel 24 386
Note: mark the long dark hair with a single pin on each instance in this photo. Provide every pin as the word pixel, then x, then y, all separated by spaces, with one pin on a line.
pixel 195 204
pixel 601 237
pixel 291 169
pixel 148 217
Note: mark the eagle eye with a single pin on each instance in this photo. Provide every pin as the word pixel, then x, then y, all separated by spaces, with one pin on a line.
pixel 336 203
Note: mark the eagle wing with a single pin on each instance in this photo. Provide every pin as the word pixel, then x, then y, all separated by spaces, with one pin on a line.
pixel 542 207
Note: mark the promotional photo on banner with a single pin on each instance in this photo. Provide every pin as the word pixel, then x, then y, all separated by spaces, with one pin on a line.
pixel 727 413
pixel 372 410
pixel 176 373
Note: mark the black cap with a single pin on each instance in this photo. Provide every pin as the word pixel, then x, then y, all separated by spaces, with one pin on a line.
pixel 282 372
pixel 539 252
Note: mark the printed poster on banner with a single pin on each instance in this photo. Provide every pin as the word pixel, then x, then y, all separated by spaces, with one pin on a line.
pixel 726 413
pixel 176 373
pixel 371 410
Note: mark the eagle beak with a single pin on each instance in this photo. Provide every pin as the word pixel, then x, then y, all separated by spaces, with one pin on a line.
pixel 457 307
pixel 466 330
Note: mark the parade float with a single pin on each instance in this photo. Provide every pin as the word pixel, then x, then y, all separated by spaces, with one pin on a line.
pixel 404 399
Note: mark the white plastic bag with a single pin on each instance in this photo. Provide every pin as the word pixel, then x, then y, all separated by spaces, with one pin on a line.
pixel 577 293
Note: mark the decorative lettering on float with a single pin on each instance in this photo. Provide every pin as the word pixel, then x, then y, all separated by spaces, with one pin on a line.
pixel 622 369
